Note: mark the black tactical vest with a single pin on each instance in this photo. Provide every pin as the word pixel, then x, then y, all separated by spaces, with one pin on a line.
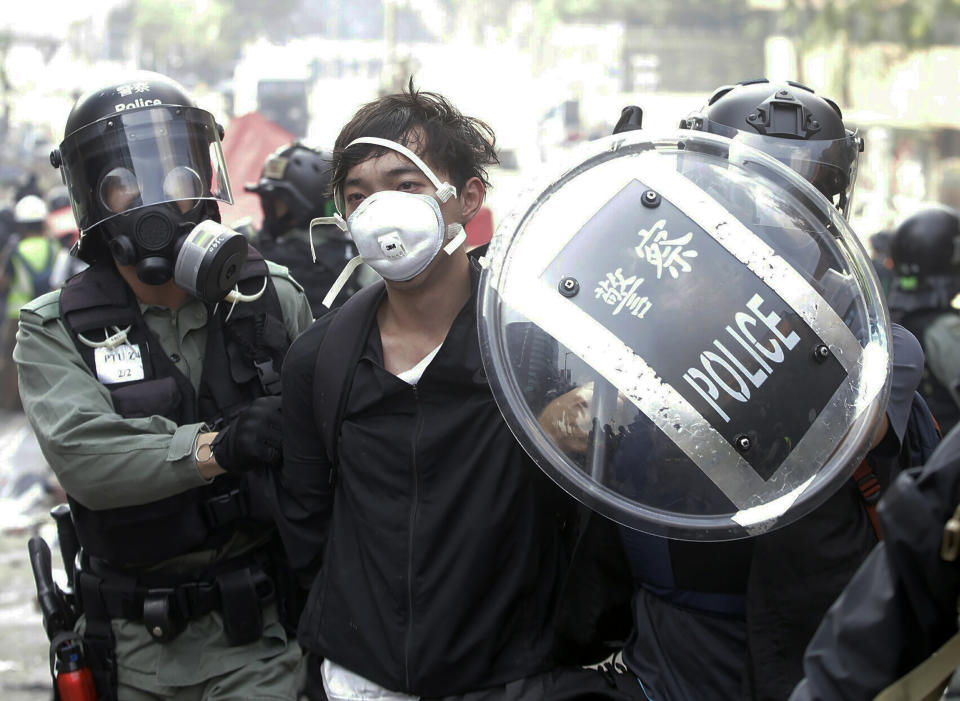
pixel 317 278
pixel 242 361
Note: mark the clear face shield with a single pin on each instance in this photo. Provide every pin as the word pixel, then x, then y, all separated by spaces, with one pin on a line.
pixel 830 165
pixel 141 158
pixel 670 350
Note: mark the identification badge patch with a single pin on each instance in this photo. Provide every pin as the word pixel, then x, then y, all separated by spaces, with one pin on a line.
pixel 120 364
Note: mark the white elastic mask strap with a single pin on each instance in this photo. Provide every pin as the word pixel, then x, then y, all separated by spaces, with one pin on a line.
pixel 457 240
pixel 336 220
pixel 341 280
pixel 444 190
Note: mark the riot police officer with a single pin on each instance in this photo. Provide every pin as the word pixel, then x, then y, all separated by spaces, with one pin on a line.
pixel 730 619
pixel 293 190
pixel 151 381
pixel 753 622
pixel 926 257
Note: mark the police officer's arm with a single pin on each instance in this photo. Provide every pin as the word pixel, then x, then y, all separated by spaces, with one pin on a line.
pixel 101 458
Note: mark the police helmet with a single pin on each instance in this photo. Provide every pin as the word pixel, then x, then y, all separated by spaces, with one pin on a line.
pixel 58 198
pixel 791 123
pixel 927 244
pixel 293 187
pixel 143 166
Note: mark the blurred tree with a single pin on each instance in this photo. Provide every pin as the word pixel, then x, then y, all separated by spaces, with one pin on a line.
pixel 911 24
pixel 202 41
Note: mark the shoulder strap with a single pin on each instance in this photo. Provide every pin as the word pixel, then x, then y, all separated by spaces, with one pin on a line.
pixel 336 364
pixel 869 487
pixel 926 681
pixel 920 439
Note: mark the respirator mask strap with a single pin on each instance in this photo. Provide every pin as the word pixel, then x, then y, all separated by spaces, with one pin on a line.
pixel 338 284
pixel 458 239
pixel 444 190
pixel 336 220
pixel 341 280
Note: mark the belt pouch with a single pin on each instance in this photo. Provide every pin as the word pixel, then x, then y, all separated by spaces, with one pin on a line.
pixel 242 617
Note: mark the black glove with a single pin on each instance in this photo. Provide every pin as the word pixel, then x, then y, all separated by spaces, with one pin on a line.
pixel 253 439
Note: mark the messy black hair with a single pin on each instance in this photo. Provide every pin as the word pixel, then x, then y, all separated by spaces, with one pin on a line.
pixel 428 125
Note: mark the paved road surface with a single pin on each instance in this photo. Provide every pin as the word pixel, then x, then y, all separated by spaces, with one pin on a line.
pixel 24 506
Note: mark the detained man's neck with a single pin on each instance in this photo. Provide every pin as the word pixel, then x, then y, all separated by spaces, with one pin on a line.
pixel 434 301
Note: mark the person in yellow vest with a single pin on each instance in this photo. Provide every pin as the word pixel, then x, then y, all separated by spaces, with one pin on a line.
pixel 27 262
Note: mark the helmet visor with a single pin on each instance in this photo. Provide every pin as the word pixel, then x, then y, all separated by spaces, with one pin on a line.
pixel 144 157
pixel 830 165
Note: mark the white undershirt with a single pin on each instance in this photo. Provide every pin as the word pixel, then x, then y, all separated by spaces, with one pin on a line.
pixel 413 375
pixel 340 684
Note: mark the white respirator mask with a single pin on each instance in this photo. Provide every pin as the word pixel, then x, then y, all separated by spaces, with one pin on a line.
pixel 398 234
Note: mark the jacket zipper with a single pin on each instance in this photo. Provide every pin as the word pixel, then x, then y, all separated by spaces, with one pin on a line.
pixel 413 518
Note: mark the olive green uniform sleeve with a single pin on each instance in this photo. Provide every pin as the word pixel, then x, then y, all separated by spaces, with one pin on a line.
pixel 297 314
pixel 102 459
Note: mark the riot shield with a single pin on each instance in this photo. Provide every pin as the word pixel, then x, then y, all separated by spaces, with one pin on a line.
pixel 685 335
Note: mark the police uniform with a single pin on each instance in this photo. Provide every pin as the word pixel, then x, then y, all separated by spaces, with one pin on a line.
pixel 106 461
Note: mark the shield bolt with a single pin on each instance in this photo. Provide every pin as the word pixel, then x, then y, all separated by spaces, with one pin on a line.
pixel 743 443
pixel 650 199
pixel 821 353
pixel 569 287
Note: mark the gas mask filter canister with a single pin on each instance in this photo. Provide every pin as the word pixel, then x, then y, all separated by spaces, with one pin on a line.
pixel 210 261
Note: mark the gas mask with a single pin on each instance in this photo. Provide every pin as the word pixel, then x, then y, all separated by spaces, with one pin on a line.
pixel 164 242
pixel 398 234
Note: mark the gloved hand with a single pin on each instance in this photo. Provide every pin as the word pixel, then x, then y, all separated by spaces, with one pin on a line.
pixel 253 439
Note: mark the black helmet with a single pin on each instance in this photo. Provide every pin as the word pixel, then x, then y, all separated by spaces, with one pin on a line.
pixel 143 166
pixel 58 197
pixel 792 124
pixel 293 187
pixel 927 244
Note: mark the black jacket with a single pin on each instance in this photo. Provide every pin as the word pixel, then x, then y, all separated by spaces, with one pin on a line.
pixel 438 546
pixel 902 603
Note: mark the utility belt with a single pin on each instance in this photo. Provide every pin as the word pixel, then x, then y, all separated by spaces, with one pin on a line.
pixel 165 603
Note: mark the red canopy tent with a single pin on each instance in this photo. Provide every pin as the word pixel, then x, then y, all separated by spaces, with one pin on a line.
pixel 247 142
pixel 480 228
